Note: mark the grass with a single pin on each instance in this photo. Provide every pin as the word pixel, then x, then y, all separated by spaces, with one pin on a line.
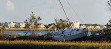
pixel 53 45
pixel 94 29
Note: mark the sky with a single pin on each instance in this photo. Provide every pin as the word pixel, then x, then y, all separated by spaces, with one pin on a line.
pixel 83 11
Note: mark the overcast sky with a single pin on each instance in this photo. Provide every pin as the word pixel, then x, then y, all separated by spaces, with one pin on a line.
pixel 84 11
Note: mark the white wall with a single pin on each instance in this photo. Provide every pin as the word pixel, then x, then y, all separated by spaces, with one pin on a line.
pixel 22 25
pixel 83 26
pixel 76 25
pixel 11 25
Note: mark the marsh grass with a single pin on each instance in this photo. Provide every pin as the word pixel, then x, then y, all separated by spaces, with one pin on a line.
pixel 53 45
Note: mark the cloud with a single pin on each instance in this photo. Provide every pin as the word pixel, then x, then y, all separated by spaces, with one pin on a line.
pixel 10 5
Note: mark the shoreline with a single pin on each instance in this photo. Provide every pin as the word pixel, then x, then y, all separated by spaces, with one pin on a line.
pixel 25 29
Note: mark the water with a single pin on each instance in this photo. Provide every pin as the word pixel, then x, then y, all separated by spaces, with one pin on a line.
pixel 97 33
pixel 41 32
pixel 89 34
pixel 28 32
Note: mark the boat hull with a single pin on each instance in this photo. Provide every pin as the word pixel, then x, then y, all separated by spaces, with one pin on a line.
pixel 62 37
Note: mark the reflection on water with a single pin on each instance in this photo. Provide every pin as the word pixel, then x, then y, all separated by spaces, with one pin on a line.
pixel 28 32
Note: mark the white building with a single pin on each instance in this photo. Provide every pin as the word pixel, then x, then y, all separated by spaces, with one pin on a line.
pixel 22 25
pixel 97 27
pixel 83 26
pixel 76 25
pixel 41 26
pixel 102 26
pixel 11 24
pixel 90 27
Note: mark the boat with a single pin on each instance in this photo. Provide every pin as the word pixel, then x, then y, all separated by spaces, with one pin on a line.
pixel 71 33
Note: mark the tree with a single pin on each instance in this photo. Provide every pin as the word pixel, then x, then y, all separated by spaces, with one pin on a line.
pixel 62 24
pixel 0 24
pixel 109 7
pixel 109 4
pixel 1 28
pixel 109 21
pixel 108 25
pixel 32 22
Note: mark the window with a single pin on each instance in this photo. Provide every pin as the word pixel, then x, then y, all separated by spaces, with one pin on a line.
pixel 69 34
pixel 84 28
pixel 77 30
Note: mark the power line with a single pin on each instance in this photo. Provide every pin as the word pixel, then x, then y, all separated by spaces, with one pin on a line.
pixel 64 11
pixel 74 11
